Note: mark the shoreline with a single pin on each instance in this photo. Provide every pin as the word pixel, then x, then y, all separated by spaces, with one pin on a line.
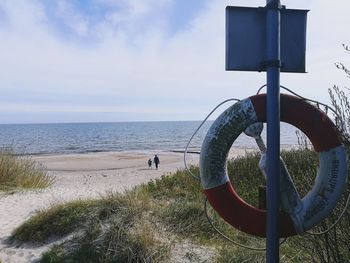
pixel 192 150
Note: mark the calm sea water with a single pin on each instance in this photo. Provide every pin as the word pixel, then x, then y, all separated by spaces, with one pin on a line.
pixel 121 136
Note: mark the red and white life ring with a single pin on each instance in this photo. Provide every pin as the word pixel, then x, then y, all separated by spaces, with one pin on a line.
pixel 315 206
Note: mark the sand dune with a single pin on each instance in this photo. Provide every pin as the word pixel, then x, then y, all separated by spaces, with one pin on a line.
pixel 80 176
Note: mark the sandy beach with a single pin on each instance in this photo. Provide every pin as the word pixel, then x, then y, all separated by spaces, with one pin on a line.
pixel 80 176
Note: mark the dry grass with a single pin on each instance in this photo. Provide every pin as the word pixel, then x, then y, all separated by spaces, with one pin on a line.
pixel 21 172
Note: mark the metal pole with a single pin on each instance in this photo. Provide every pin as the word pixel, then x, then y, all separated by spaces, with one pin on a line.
pixel 273 128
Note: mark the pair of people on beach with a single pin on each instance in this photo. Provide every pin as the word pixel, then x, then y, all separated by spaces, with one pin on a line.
pixel 155 160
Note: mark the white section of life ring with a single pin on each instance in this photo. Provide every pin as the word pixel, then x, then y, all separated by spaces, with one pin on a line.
pixel 319 202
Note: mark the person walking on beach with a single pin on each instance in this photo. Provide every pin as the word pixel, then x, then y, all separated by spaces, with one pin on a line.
pixel 156 161
pixel 150 163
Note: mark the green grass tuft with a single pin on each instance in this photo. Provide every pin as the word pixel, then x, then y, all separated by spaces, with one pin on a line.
pixel 55 222
pixel 21 172
pixel 178 185
pixel 117 242
pixel 120 229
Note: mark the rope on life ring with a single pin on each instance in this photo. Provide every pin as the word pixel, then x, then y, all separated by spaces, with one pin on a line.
pixel 314 207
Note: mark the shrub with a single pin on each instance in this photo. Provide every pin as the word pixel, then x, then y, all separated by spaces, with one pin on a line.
pixel 334 246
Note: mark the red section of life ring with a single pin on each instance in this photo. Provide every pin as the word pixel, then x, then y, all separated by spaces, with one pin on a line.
pixel 314 123
pixel 242 215
pixel 319 129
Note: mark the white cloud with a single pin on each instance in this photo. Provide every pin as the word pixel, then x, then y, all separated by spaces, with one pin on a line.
pixel 134 64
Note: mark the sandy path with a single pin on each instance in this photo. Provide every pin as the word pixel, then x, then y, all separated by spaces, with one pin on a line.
pixel 78 176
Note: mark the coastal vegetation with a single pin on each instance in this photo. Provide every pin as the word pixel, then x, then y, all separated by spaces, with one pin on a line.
pixel 21 172
pixel 150 222
pixel 158 221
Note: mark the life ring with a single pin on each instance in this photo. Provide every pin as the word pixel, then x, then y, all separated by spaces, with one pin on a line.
pixel 315 206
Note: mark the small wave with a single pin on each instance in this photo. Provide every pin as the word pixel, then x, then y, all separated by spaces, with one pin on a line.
pixel 43 139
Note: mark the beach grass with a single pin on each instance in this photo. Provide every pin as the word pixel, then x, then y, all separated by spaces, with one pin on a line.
pixel 145 223
pixel 56 222
pixel 117 228
pixel 21 172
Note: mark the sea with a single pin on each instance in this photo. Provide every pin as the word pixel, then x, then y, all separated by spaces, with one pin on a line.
pixel 67 138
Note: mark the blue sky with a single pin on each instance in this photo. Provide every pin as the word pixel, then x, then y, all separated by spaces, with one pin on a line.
pixel 142 60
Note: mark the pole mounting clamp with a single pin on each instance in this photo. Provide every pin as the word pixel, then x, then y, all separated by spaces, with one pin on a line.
pixel 273 4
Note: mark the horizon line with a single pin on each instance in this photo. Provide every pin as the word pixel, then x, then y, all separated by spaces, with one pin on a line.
pixel 91 122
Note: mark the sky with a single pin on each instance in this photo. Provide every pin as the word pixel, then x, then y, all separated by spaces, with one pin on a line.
pixel 143 60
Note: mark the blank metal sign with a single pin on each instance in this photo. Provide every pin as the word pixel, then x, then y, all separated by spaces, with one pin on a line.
pixel 246 39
